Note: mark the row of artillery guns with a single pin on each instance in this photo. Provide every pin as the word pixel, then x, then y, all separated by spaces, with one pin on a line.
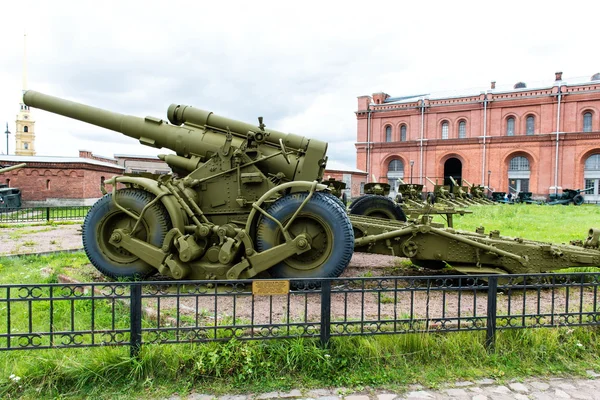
pixel 456 195
pixel 568 196
pixel 245 201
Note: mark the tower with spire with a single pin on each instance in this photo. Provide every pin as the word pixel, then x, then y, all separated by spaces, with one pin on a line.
pixel 25 132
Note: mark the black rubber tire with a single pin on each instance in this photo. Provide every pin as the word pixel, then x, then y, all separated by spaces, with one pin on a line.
pixel 578 200
pixel 356 200
pixel 104 217
pixel 332 247
pixel 379 207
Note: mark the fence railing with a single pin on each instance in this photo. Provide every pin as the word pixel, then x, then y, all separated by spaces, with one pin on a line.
pixel 138 313
pixel 41 214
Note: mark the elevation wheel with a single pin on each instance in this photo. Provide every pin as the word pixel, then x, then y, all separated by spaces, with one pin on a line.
pixel 325 223
pixel 104 217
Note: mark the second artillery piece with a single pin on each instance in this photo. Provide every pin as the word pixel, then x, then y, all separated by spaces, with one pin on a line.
pixel 567 197
pixel 246 200
pixel 10 198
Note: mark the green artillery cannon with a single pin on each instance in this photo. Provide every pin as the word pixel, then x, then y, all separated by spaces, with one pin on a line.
pixel 442 194
pixel 477 193
pixel 10 198
pixel 337 188
pixel 461 193
pixel 567 197
pixel 409 197
pixel 248 200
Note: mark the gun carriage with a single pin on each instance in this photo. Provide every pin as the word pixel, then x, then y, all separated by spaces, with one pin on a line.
pixel 247 200
pixel 567 197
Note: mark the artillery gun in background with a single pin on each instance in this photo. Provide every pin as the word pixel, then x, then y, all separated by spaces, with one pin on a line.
pixel 443 194
pixel 248 200
pixel 477 193
pixel 461 193
pixel 10 198
pixel 567 197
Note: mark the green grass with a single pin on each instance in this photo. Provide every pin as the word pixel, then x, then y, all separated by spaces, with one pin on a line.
pixel 389 361
pixel 557 224
pixel 242 367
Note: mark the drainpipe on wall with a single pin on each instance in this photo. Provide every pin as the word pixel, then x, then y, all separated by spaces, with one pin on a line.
pixel 421 141
pixel 557 139
pixel 368 145
pixel 484 136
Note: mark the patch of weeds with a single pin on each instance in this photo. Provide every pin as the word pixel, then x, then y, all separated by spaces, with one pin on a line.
pixel 386 299
pixel 29 243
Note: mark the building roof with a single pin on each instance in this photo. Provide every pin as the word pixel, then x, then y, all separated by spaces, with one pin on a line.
pixel 506 88
pixel 54 160
pixel 338 166
pixel 135 156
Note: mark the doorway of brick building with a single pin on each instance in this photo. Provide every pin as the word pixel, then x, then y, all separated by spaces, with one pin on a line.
pixel 452 168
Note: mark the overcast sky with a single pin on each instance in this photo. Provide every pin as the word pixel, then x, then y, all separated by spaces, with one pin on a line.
pixel 299 64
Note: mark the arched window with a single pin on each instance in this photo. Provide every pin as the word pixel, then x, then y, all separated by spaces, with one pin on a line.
pixel 25 129
pixel 445 130
pixel 591 175
pixel 587 122
pixel 530 128
pixel 396 166
pixel 519 164
pixel 403 133
pixel 388 133
pixel 510 127
pixel 26 145
pixel 462 129
pixel 518 175
pixel 8 183
pixel 593 163
pixel 48 184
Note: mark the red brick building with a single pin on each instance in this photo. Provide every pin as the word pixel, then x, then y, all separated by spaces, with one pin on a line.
pixel 539 139
pixel 58 181
pixel 354 179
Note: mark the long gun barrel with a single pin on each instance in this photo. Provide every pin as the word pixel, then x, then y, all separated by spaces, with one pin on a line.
pixel 12 167
pixel 203 134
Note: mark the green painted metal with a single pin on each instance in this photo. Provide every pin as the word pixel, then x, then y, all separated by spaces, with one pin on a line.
pixel 246 200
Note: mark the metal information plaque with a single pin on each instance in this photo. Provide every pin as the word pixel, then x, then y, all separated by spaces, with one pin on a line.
pixel 270 288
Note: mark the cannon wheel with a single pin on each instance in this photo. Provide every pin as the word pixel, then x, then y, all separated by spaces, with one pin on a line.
pixel 578 200
pixel 379 207
pixel 356 200
pixel 327 225
pixel 104 217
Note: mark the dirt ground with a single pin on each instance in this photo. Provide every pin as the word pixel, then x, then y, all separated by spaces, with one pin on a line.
pixel 38 239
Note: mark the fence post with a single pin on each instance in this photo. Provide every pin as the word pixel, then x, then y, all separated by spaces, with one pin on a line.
pixel 492 303
pixel 47 214
pixel 325 312
pixel 135 315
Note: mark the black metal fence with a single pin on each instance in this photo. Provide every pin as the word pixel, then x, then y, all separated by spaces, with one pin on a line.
pixel 43 214
pixel 137 313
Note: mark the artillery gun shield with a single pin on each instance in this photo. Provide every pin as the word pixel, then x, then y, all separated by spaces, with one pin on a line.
pixel 105 216
pixel 326 226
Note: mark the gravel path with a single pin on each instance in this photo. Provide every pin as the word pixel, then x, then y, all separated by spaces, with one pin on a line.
pixel 38 239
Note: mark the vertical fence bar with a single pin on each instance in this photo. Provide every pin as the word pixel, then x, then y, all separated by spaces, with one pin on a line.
pixel 325 312
pixel 47 214
pixel 135 304
pixel 492 303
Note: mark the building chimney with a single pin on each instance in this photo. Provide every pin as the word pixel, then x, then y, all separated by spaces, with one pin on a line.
pixel 85 154
pixel 493 84
pixel 558 76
